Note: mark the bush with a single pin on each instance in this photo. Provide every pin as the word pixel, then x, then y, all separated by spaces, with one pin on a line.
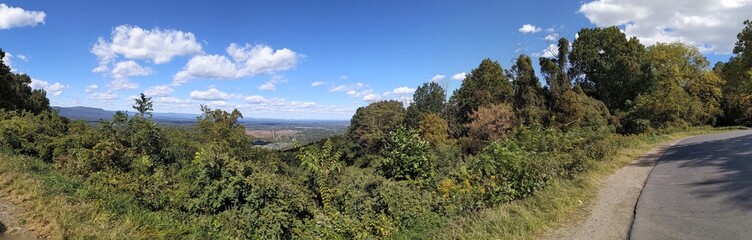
pixel 406 156
pixel 491 122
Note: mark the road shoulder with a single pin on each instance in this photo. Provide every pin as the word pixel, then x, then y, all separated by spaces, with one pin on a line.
pixel 612 212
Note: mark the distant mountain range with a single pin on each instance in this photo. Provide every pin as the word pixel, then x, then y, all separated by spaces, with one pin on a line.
pixel 91 114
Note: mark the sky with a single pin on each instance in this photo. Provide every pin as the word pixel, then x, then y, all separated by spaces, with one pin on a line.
pixel 313 59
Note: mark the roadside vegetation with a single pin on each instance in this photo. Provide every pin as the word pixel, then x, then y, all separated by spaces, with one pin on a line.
pixel 504 156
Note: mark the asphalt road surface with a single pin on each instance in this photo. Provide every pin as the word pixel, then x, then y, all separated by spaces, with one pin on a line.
pixel 700 189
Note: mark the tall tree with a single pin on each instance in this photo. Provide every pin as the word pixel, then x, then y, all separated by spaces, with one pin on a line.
pixel 16 92
pixel 485 85
pixel 737 100
pixel 528 94
pixel 371 124
pixel 428 98
pixel 143 105
pixel 608 66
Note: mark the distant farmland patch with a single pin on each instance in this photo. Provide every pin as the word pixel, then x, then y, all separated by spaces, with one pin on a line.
pixel 270 134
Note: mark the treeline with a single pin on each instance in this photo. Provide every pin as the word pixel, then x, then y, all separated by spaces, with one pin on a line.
pixel 398 172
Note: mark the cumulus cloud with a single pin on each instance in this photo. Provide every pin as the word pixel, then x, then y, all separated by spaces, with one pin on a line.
pixel 248 60
pixel 550 52
pixel 316 84
pixel 459 76
pixel 91 88
pixel 129 69
pixel 529 28
pixel 133 42
pixel 211 95
pixel 55 88
pixel 271 85
pixel 122 71
pixel 552 37
pixel 437 77
pixel 13 17
pixel 711 25
pixel 158 91
pixel 403 91
pixel 268 86
pixel 402 94
pixel 8 61
pixel 372 98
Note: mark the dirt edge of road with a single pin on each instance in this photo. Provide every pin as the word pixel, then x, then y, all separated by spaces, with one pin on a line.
pixel 611 214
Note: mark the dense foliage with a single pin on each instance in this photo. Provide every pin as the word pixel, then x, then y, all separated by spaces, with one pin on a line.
pixel 397 172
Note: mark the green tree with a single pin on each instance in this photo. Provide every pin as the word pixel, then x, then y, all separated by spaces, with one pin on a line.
pixel 406 156
pixel 143 106
pixel 609 66
pixel 428 98
pixel 529 102
pixel 737 73
pixel 433 129
pixel 486 84
pixel 323 165
pixel 683 66
pixel 370 124
pixel 16 92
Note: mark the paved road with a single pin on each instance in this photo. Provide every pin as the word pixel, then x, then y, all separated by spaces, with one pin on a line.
pixel 700 189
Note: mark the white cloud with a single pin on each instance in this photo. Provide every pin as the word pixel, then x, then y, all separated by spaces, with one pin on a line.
pixel 12 17
pixel 249 60
pixel 372 98
pixel 23 58
pixel 105 96
pixel 173 101
pixel 316 84
pixel 340 88
pixel 347 88
pixel 91 88
pixel 268 86
pixel 8 61
pixel 128 69
pixel 459 76
pixel 403 91
pixel 255 99
pixel 158 91
pixel 133 42
pixel 211 95
pixel 529 28
pixel 437 77
pixel 271 85
pixel 552 37
pixel 55 89
pixel 550 52
pixel 122 83
pixel 343 77
pixel 711 25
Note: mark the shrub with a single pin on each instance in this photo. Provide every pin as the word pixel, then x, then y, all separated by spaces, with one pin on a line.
pixel 491 122
pixel 406 156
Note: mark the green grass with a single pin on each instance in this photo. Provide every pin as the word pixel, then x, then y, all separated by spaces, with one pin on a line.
pixel 563 201
pixel 59 206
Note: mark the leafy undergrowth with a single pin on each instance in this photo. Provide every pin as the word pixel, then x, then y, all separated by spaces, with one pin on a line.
pixel 563 201
pixel 60 206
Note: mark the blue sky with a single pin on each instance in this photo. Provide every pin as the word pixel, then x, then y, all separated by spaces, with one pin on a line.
pixel 311 59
